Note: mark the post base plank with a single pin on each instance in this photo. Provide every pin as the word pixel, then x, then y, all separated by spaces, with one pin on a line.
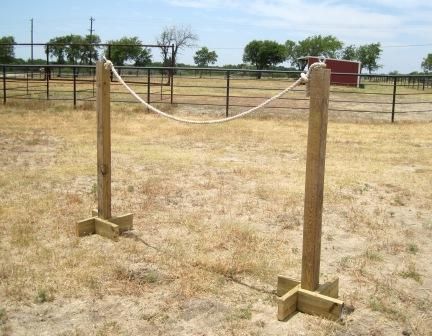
pixel 109 228
pixel 322 302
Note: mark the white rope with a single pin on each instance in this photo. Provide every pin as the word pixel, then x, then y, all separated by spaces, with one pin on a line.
pixel 304 78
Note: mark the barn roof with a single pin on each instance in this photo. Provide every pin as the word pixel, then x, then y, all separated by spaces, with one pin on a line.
pixel 332 59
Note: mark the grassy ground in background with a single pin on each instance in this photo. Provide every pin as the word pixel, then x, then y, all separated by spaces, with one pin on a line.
pixel 218 215
pixel 372 102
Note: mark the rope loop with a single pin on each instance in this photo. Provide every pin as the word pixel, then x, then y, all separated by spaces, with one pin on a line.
pixel 304 79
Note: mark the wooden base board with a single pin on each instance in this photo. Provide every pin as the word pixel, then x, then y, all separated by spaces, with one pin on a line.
pixel 110 228
pixel 322 302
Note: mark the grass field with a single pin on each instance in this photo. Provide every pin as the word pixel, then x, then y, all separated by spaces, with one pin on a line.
pixel 373 102
pixel 218 215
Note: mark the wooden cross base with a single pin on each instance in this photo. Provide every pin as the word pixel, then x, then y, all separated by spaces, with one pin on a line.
pixel 322 302
pixel 109 228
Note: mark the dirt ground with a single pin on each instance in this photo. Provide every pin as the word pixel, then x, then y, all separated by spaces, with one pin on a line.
pixel 217 216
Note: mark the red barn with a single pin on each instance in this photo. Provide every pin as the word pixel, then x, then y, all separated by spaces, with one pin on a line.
pixel 339 66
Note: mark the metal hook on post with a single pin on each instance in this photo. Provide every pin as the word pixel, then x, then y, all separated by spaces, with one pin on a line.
pixel 321 59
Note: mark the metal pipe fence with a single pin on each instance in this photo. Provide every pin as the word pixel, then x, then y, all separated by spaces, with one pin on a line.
pixel 229 89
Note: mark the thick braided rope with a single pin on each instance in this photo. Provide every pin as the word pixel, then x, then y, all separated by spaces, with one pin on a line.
pixel 303 79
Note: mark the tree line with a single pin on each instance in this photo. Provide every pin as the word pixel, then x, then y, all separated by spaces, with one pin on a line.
pixel 260 54
pixel 78 49
pixel 264 54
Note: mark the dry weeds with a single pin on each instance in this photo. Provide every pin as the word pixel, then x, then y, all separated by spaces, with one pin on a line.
pixel 218 213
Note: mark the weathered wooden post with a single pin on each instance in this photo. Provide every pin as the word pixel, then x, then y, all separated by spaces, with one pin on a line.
pixel 307 295
pixel 102 222
pixel 314 184
pixel 103 108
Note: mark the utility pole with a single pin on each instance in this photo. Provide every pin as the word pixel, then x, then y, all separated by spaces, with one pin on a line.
pixel 91 26
pixel 91 37
pixel 31 39
pixel 31 47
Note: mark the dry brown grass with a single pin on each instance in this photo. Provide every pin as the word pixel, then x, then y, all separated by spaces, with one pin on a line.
pixel 218 213
pixel 376 97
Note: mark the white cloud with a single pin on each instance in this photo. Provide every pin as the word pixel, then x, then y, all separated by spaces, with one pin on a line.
pixel 354 21
pixel 199 3
pixel 393 23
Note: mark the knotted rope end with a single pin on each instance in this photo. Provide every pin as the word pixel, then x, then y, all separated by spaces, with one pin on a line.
pixel 108 64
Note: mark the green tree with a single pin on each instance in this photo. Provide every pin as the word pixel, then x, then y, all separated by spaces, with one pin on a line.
pixel 56 48
pixel 90 50
pixel 427 63
pixel 73 49
pixel 368 55
pixel 7 52
pixel 144 58
pixel 349 53
pixel 126 49
pixel 204 57
pixel 264 54
pixel 317 45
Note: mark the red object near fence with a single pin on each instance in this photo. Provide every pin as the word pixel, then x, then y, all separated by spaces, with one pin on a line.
pixel 344 72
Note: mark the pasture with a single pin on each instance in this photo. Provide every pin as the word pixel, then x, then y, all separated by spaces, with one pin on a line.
pixel 212 93
pixel 218 215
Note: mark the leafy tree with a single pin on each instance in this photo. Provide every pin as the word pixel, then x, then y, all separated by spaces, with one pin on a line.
pixel 427 63
pixel 90 50
pixel 129 49
pixel 181 37
pixel 7 52
pixel 56 48
pixel 264 54
pixel 74 49
pixel 317 45
pixel 204 57
pixel 144 58
pixel 349 53
pixel 368 55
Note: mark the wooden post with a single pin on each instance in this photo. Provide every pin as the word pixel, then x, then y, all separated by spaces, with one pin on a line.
pixel 314 186
pixel 102 222
pixel 307 295
pixel 103 140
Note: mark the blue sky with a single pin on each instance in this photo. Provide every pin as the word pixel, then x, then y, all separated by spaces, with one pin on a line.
pixel 226 26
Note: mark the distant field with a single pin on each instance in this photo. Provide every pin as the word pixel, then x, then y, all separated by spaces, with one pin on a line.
pixel 218 215
pixel 207 95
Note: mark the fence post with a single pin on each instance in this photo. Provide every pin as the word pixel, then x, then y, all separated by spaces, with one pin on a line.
pixel 148 87
pixel 4 84
pixel 103 140
pixel 314 184
pixel 27 81
pixel 161 85
pixel 308 296
pixel 74 87
pixel 172 87
pixel 47 53
pixel 227 94
pixel 394 99
pixel 47 75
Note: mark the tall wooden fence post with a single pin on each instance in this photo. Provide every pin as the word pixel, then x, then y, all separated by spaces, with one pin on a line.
pixel 307 295
pixel 103 110
pixel 314 185
pixel 102 222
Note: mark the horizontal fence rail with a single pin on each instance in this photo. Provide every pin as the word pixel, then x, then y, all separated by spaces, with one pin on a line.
pixel 227 90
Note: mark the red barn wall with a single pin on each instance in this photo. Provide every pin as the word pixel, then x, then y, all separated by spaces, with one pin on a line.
pixel 338 66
